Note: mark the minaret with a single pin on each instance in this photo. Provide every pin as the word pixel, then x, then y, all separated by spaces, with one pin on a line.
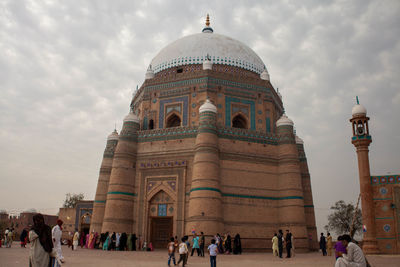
pixel 205 202
pixel 102 184
pixel 291 199
pixel 361 140
pixel 118 215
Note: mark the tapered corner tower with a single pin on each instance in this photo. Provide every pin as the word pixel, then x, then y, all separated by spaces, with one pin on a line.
pixel 102 184
pixel 205 202
pixel 291 212
pixel 361 140
pixel 118 215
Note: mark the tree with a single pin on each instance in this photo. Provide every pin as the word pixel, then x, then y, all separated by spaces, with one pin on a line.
pixel 71 200
pixel 341 219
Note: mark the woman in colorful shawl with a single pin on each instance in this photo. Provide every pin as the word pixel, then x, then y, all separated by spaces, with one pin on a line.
pixel 91 241
pixel 41 243
pixel 105 244
pixel 23 237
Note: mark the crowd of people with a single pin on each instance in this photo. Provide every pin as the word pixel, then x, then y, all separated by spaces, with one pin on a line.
pixel 46 245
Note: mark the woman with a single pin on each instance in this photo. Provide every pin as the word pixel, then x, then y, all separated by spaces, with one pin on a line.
pixel 237 245
pixel 23 238
pixel 41 243
pixel 129 242
pixel 107 242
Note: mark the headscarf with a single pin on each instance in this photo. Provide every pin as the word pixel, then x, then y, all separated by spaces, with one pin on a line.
pixel 43 231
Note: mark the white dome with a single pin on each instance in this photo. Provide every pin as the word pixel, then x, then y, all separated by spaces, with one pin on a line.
pixel 299 141
pixel 131 117
pixel 113 135
pixel 284 120
pixel 208 106
pixel 358 110
pixel 193 49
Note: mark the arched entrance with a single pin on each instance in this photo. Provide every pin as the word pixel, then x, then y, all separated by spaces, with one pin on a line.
pixel 161 208
pixel 85 223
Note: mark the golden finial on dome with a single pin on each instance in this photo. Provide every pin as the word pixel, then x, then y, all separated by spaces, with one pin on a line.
pixel 208 20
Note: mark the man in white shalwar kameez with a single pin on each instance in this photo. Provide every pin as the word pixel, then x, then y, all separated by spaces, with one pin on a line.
pixel 354 256
pixel 56 235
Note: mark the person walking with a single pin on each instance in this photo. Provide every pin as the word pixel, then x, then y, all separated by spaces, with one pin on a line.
pixel 23 238
pixel 280 243
pixel 56 233
pixel 171 251
pixel 10 238
pixel 75 240
pixel 275 249
pixel 196 245
pixel 329 244
pixel 41 243
pixel 213 250
pixel 322 244
pixel 202 243
pixel 183 251
pixel 188 247
pixel 288 242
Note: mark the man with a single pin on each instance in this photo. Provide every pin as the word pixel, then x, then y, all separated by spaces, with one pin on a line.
pixel 354 256
pixel 10 238
pixel 56 233
pixel 75 240
pixel 322 244
pixel 288 241
pixel 280 243
pixel 275 250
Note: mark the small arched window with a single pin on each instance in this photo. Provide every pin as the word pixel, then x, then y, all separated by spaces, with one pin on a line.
pixel 173 121
pixel 239 122
pixel 151 124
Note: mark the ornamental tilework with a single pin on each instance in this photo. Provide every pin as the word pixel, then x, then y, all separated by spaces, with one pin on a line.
pixel 386 228
pixel 386 179
pixel 183 99
pixel 228 113
pixel 383 190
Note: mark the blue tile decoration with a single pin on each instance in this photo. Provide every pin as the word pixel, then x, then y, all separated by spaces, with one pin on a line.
pixel 259 112
pixel 386 228
pixel 388 246
pixel 155 100
pixel 162 210
pixel 383 191
pixel 229 100
pixel 183 99
pixel 268 125
pixel 194 95
pixel 193 105
pixel 145 123
pixel 219 106
pixel 259 121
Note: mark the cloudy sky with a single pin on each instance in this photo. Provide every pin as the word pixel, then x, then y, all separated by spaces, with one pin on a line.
pixel 68 70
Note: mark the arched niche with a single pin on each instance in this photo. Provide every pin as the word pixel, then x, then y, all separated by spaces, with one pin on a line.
pixel 173 120
pixel 239 121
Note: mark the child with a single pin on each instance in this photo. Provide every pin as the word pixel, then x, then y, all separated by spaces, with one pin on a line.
pixel 171 251
pixel 183 250
pixel 213 249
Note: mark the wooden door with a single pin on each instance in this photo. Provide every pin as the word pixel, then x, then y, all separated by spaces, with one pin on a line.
pixel 161 231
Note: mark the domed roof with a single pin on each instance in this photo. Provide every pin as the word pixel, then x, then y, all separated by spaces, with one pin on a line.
pixel 358 110
pixel 208 106
pixel 284 120
pixel 193 49
pixel 299 141
pixel 113 135
pixel 131 117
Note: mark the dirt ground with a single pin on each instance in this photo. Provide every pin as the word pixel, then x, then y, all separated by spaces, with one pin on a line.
pixel 16 256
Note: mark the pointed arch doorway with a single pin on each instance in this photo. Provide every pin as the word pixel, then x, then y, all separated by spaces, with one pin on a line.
pixel 161 221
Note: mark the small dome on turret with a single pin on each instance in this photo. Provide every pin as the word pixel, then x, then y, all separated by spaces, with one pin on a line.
pixel 113 136
pixel 131 117
pixel 207 64
pixel 264 75
pixel 299 141
pixel 208 106
pixel 284 120
pixel 358 110
pixel 149 73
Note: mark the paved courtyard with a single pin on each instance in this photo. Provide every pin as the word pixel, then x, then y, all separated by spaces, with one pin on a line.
pixel 16 256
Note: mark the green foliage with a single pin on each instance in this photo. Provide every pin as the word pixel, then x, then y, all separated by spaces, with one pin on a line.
pixel 71 200
pixel 342 217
